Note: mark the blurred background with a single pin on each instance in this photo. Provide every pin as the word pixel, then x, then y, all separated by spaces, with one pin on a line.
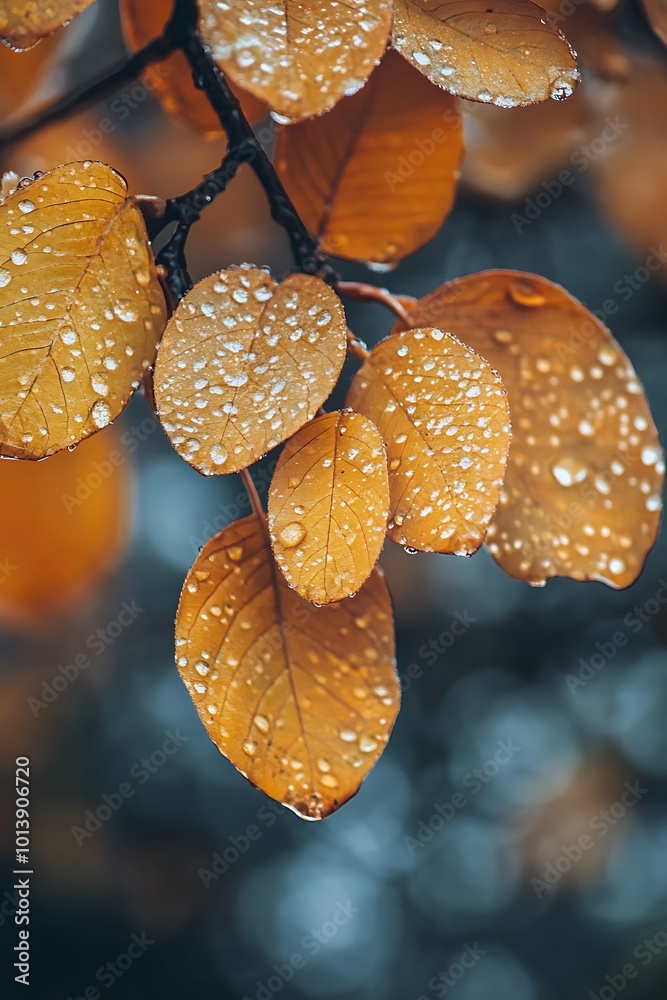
pixel 455 869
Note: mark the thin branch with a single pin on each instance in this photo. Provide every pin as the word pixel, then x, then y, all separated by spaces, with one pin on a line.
pixel 357 291
pixel 253 496
pixel 355 347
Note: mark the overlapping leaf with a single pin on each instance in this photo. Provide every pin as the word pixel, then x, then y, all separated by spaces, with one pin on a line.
pixel 375 178
pixel 582 495
pixel 23 24
pixel 443 415
pixel 300 699
pixel 299 57
pixel 244 363
pixel 505 52
pixel 81 308
pixel 328 506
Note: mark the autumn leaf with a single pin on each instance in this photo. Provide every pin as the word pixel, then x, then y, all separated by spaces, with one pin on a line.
pixel 443 415
pixel 244 363
pixel 171 80
pixel 300 699
pixel 298 57
pixel 328 506
pixel 656 12
pixel 64 528
pixel 595 37
pixel 375 178
pixel 505 52
pixel 28 70
pixel 582 493
pixel 81 308
pixel 23 24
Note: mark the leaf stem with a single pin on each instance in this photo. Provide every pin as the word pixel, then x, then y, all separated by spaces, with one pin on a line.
pixel 358 291
pixel 253 496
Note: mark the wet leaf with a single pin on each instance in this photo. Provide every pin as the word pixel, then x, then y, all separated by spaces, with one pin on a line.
pixel 595 37
pixel 505 52
pixel 300 699
pixel 64 528
pixel 656 12
pixel 300 58
pixel 81 308
pixel 375 178
pixel 442 413
pixel 171 81
pixel 244 363
pixel 328 506
pixel 582 493
pixel 23 24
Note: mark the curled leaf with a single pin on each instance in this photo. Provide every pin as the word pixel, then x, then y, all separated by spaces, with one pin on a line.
pixel 582 495
pixel 81 308
pixel 442 413
pixel 505 52
pixel 23 24
pixel 300 58
pixel 328 505
pixel 244 363
pixel 375 178
pixel 300 699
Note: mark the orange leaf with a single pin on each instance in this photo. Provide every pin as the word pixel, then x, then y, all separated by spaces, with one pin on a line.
pixel 244 363
pixel 582 493
pixel 442 412
pixel 171 80
pixel 81 308
pixel 300 699
pixel 23 24
pixel 656 12
pixel 595 36
pixel 504 52
pixel 375 178
pixel 328 506
pixel 65 524
pixel 300 57
pixel 27 71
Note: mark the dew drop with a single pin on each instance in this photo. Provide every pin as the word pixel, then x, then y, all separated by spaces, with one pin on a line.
pixel 292 534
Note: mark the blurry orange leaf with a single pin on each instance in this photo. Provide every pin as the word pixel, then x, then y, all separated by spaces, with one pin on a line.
pixel 505 52
pixel 442 413
pixel 81 308
pixel 300 699
pixel 582 493
pixel 375 178
pixel 244 363
pixel 299 57
pixel 22 24
pixel 171 80
pixel 656 12
pixel 328 506
pixel 64 525
pixel 26 70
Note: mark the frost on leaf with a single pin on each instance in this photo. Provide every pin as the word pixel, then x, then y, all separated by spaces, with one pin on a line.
pixel 506 52
pixel 81 308
pixel 299 57
pixel 346 171
pixel 300 699
pixel 171 81
pixel 443 415
pixel 244 363
pixel 328 506
pixel 582 495
pixel 23 24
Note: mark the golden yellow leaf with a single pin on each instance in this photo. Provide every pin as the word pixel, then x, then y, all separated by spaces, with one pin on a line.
pixel 64 527
pixel 375 178
pixel 244 363
pixel 300 699
pixel 505 52
pixel 443 415
pixel 298 56
pixel 328 506
pixel 171 80
pixel 81 308
pixel 582 495
pixel 595 37
pixel 22 23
